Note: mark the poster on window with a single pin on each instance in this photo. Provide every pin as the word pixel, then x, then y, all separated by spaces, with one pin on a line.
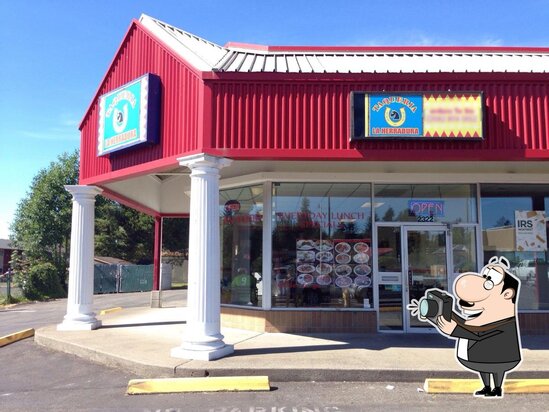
pixel 314 261
pixel 352 263
pixel 339 262
pixel 530 231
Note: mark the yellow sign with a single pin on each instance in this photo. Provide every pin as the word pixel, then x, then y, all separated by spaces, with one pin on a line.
pixel 452 115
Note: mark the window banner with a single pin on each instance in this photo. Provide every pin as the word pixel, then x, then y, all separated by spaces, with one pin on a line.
pixel 530 231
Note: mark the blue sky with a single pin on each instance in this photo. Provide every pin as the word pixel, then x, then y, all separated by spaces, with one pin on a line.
pixel 54 53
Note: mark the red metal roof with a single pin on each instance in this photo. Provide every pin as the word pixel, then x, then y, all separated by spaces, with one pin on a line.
pixel 391 49
pixel 292 115
pixel 242 58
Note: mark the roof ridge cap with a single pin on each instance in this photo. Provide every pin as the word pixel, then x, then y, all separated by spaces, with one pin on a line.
pixel 154 19
pixel 201 53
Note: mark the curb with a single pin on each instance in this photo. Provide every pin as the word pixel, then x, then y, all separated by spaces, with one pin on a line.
pixel 17 336
pixel 346 375
pixel 106 359
pixel 275 374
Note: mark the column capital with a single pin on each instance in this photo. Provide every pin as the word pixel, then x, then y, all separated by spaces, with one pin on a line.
pixel 204 160
pixel 83 191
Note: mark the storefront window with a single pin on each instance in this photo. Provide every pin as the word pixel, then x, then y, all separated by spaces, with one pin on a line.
pixel 389 249
pixel 425 203
pixel 464 249
pixel 322 245
pixel 175 252
pixel 241 219
pixel 504 207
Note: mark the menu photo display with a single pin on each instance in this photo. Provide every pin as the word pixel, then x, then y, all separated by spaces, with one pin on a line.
pixel 339 262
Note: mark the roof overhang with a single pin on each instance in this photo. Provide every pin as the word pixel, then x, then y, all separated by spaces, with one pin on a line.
pixel 167 194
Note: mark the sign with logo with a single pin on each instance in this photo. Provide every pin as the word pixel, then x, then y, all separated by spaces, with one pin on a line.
pixel 395 115
pixel 424 116
pixel 130 115
pixel 232 206
pixel 530 231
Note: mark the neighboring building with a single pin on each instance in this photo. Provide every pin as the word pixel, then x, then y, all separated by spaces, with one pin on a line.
pixel 6 249
pixel 344 181
pixel 107 260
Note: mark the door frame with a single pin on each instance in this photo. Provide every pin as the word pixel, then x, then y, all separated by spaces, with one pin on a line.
pixel 398 277
pixel 405 228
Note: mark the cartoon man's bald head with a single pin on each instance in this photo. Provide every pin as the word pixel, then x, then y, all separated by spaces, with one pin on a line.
pixel 488 296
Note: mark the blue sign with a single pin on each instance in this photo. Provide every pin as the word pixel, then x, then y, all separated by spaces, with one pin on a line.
pixel 395 115
pixel 129 115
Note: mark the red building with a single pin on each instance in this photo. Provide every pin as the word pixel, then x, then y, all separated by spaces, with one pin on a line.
pixel 342 181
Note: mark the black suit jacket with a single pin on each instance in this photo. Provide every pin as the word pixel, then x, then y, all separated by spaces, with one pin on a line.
pixel 496 342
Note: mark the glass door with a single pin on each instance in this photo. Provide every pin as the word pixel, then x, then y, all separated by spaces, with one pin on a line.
pixel 388 278
pixel 425 266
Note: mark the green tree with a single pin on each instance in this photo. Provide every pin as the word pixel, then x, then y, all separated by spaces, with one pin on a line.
pixel 123 232
pixel 42 228
pixel 175 234
pixel 42 223
pixel 41 282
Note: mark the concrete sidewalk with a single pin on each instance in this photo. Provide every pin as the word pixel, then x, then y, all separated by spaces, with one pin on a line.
pixel 140 340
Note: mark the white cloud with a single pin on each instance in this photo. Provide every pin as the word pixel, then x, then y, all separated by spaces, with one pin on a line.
pixel 52 134
pixel 65 128
pixel 419 38
pixel 70 123
pixel 69 120
pixel 491 42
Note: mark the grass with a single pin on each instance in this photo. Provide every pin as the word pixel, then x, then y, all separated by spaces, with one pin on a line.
pixel 10 300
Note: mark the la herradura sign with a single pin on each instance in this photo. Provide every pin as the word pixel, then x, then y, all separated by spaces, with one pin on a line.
pixel 130 115
pixel 447 116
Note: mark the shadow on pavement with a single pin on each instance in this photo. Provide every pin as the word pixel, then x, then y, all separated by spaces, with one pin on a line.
pixel 381 342
pixel 133 325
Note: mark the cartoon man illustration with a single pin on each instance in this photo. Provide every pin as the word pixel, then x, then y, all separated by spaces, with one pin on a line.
pixel 488 339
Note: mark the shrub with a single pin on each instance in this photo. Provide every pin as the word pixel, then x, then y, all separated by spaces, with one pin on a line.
pixel 40 281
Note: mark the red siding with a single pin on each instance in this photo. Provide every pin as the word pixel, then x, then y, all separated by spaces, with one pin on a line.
pixel 300 119
pixel 181 103
pixel 6 261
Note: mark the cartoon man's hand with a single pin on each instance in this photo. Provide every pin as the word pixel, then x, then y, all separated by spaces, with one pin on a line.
pixel 445 326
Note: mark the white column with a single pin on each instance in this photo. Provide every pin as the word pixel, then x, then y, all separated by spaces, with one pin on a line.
pixel 79 302
pixel 202 339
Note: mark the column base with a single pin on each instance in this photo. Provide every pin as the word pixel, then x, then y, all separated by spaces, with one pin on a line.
pixel 204 355
pixel 156 299
pixel 69 325
pixel 79 321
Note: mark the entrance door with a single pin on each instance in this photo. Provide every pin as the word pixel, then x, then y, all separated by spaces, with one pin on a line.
pixel 425 252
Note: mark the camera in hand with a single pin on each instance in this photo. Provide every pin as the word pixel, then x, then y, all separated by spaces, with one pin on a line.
pixel 436 303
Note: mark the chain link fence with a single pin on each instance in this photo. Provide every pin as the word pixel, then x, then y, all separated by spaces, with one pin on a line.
pixel 122 278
